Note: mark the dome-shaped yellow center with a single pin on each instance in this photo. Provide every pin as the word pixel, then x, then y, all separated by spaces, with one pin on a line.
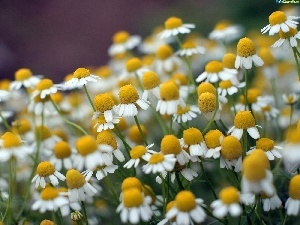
pixel 206 87
pixel 169 91
pixel 45 169
pixel 107 137
pixel 74 179
pixel 156 158
pixel 44 84
pixel 120 37
pixel 192 136
pixel 229 195
pixel 188 44
pixel 244 120
pixel 245 47
pixel 62 150
pixel 49 193
pixel 10 140
pixel 291 33
pixel 133 64
pixel 38 99
pixel 181 111
pixel 231 148
pixel 86 145
pixel 131 182
pixel 277 17
pixel 294 187
pixel 265 144
pixel 137 151
pixel 173 22
pixel 222 25
pixel 207 102
pixel 43 132
pixel 57 97
pixel 21 126
pixel 170 145
pixel 81 73
pixel 128 94
pixel 132 197
pixel 228 60
pixel 104 71
pixel 212 138
pixel 225 84
pixel 266 55
pixel 135 135
pixel 103 102
pixel 22 74
pixel 164 52
pixel 213 67
pixel 293 136
pixel 185 201
pixel 150 80
pixel 180 79
pixel 46 222
pixel 252 95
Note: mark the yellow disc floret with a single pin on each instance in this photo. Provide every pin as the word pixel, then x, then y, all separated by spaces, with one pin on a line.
pixel 22 126
pixel 137 151
pixel 62 150
pixel 107 137
pixel 173 22
pixel 212 138
pixel 225 84
pixel 74 179
pixel 169 91
pixel 81 73
pixel 45 169
pixel 128 94
pixel 86 145
pixel 188 44
pixel 43 132
pixel 132 197
pixel 150 80
pixel 245 47
pixel 266 55
pixel 206 87
pixel 44 84
pixel 22 74
pixel 294 187
pixel 180 79
pixel 181 111
pixel 10 140
pixel 228 60
pixel 192 136
pixel 207 102
pixel 222 25
pixel 229 195
pixel 103 102
pixel 244 120
pixel 164 52
pixel 231 148
pixel 131 182
pixel 133 64
pixel 47 222
pixel 156 158
pixel 185 201
pixel 170 145
pixel 277 17
pixel 265 144
pixel 120 37
pixel 213 67
pixel 104 71
pixel 49 193
pixel 135 135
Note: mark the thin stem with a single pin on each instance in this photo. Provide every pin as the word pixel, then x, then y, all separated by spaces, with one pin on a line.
pixel 111 188
pixel 140 130
pixel 89 97
pixel 171 125
pixel 295 52
pixel 208 181
pixel 84 212
pixel 4 122
pixel 246 89
pixel 179 181
pixel 9 208
pixel 213 117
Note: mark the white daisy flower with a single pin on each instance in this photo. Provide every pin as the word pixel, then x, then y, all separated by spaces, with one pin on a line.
pixel 186 172
pixel 287 40
pixel 189 48
pixel 44 88
pixel 175 26
pixel 231 153
pixel 134 68
pixel 290 155
pixel 186 114
pixel 81 77
pixel 62 156
pixel 226 87
pixel 290 99
pixel 151 82
pixel 268 146
pixel 271 202
pixel 24 77
pixel 292 205
pixel 226 32
pixel 101 123
pixel 280 22
pixel 103 171
pixel 213 139
pixel 137 153
pixel 37 106
pixel 194 142
pixel 46 173
pixel 210 106
pixel 158 162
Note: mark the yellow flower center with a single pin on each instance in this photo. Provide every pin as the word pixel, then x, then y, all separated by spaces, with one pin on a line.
pixel 120 37
pixel 132 197
pixel 277 17
pixel 225 84
pixel 22 74
pixel 135 135
pixel 62 150
pixel 207 102
pixel 228 60
pixel 104 72
pixel 103 102
pixel 38 99
pixel 206 87
pixel 131 182
pixel 150 80
pixel 156 158
pixel 173 22
pixel 185 201
pixel 293 136
pixel 214 67
pixel 222 25
pixel 265 144
pixel 231 148
pixel 229 195
pixel 10 140
pixel 57 97
pixel 170 145
pixel 244 120
pixel 81 73
pixel 148 191
pixel 21 126
pixel 49 193
pixel 245 47
pixel 192 136
pixel 86 145
pixel 74 179
pixel 188 44
pixel 294 187
pixel 75 99
pixel 291 33
pixel 169 91
pixel 267 108
pixel 45 169
pixel 164 52
pixel 44 84
pixel 133 64
pixel 128 94
pixel 266 55
pixel 180 79
pixel 212 138
pixel 137 151
pixel 43 132
pixel 45 222
pixel 181 111
pixel 252 95
pixel 107 137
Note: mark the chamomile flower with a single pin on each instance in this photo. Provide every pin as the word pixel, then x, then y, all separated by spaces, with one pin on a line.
pixel 291 157
pixel 288 39
pixel 134 135
pixel 290 99
pixel 246 54
pixel 104 104
pixel 79 189
pixel 137 153
pixel 135 206
pixel 38 105
pixel 62 156
pixel 50 200
pixel 151 82
pixel 44 88
pixel 209 106
pixel 103 171
pixel 186 209
pixel 24 77
pixel 213 139
pixel 194 141
pixel 169 99
pixel 129 96
pixel 225 31
pixel 101 123
pixel 280 22
pixel 270 112
pixel 133 68
pixel 186 114
pixel 269 68
pixel 214 71
pixel 228 202
pixel 270 202
pixel 158 162
pixel 122 42
pixel 175 26
pixel 189 48
pixel 292 205
pixel 82 76
pixel 226 87
pixel 268 146
pixel 23 128
pixel 46 173
pixel 244 120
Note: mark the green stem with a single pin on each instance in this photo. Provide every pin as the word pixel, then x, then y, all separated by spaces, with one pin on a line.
pixel 208 181
pixel 223 125
pixel 179 181
pixel 140 130
pixel 111 188
pixel 89 97
pixel 5 122
pixel 246 89
pixel 159 119
pixel 171 125
pixel 84 212
pixel 213 117
pixel 295 52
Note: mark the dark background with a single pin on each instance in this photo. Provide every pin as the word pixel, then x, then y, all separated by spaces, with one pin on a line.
pixel 54 37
